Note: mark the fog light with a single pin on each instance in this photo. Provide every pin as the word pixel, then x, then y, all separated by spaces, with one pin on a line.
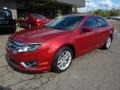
pixel 30 64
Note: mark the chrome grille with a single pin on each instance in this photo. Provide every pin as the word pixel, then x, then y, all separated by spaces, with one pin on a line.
pixel 14 46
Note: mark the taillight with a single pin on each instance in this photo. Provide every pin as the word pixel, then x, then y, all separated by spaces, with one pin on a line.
pixel 38 20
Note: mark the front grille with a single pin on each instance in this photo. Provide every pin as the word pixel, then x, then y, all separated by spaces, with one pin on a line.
pixel 14 46
pixel 4 22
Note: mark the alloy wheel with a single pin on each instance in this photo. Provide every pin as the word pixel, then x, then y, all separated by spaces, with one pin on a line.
pixel 64 60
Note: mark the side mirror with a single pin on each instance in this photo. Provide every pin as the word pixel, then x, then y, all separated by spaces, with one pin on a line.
pixel 87 29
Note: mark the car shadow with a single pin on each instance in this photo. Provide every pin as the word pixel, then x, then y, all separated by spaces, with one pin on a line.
pixel 5 33
pixel 5 88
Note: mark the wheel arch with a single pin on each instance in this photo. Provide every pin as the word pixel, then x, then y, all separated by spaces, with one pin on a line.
pixel 111 35
pixel 71 47
pixel 53 69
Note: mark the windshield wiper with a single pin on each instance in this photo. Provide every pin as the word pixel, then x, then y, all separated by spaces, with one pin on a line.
pixel 60 28
pixel 47 26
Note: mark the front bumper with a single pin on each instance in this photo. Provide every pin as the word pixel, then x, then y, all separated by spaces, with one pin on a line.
pixel 14 60
pixel 23 24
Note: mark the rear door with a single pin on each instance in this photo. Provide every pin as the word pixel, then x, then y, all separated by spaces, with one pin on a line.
pixel 102 31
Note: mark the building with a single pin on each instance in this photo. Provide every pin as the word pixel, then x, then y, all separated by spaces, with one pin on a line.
pixel 21 8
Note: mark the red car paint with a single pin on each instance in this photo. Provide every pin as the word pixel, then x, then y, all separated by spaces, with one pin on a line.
pixel 52 40
pixel 35 20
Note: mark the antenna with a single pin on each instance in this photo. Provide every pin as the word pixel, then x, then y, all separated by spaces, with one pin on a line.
pixel 88 5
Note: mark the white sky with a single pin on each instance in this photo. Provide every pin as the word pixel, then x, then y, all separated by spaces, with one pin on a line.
pixel 100 4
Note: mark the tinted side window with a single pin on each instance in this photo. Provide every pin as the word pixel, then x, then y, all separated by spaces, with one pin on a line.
pixel 101 22
pixel 91 22
pixel 38 16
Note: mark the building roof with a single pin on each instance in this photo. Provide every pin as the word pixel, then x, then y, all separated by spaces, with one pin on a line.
pixel 80 3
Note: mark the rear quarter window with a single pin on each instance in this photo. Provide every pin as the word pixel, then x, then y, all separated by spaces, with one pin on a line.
pixel 102 22
pixel 91 22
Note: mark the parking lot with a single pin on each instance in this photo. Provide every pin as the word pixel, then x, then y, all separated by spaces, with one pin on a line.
pixel 98 70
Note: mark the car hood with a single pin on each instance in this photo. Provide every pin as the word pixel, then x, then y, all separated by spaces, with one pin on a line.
pixel 37 35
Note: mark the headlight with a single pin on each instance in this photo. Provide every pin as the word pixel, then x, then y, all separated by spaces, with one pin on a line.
pixel 28 48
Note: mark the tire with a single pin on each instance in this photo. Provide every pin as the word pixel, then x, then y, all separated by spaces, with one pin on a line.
pixel 60 62
pixel 29 26
pixel 13 30
pixel 107 44
pixel 14 27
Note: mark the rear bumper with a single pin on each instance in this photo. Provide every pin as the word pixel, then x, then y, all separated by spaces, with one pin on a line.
pixel 26 24
pixel 23 24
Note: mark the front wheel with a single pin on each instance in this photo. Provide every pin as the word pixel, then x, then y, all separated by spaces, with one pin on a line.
pixel 62 60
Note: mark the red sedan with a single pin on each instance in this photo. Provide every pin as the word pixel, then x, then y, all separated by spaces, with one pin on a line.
pixel 54 46
pixel 34 20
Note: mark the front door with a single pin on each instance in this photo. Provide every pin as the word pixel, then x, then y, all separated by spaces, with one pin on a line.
pixel 87 41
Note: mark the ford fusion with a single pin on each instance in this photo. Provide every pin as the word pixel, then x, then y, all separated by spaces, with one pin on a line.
pixel 54 46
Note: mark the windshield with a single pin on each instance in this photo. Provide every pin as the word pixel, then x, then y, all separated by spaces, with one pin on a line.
pixel 65 23
pixel 37 15
pixel 5 14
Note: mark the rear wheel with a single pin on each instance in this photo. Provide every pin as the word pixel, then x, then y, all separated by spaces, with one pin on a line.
pixel 62 60
pixel 29 26
pixel 108 43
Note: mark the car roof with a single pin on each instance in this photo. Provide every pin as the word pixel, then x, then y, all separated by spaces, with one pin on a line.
pixel 84 15
pixel 5 10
